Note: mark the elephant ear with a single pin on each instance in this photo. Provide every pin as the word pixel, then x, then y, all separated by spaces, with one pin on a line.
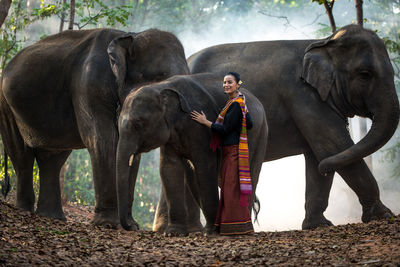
pixel 171 100
pixel 166 98
pixel 318 68
pixel 119 50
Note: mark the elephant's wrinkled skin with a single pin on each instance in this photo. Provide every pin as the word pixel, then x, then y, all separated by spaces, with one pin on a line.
pixel 63 93
pixel 308 89
pixel 158 115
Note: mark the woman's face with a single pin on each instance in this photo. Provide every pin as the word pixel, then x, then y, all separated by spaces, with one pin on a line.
pixel 230 85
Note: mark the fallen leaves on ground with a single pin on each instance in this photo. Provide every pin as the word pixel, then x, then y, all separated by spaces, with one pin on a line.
pixel 27 239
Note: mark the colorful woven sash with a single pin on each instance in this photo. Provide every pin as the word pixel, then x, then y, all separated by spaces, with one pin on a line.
pixel 244 167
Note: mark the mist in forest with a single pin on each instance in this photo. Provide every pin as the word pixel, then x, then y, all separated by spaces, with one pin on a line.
pixel 281 187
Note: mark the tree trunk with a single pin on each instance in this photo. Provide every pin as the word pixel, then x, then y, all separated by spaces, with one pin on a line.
pixel 329 9
pixel 71 15
pixel 4 8
pixel 62 18
pixel 359 11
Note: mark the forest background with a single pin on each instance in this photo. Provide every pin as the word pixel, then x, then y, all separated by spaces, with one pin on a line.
pixel 199 24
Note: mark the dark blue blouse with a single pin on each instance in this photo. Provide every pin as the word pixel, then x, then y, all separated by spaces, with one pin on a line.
pixel 232 126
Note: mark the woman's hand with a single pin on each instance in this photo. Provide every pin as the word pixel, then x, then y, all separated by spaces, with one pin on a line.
pixel 200 118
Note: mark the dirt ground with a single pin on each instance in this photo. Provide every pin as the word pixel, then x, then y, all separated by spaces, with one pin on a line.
pixel 27 239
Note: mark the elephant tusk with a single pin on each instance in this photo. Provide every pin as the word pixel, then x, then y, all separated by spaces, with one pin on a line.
pixel 131 159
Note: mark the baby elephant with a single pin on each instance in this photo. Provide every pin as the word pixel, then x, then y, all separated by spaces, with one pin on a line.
pixel 158 115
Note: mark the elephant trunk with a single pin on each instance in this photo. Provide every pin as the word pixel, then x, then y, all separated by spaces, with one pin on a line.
pixel 127 169
pixel 384 124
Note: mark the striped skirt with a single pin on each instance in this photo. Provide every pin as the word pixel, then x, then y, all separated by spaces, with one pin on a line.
pixel 232 218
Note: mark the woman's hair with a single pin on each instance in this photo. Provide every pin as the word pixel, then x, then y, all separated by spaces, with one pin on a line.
pixel 235 75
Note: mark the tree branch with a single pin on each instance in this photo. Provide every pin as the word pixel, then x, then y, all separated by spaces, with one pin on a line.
pixel 62 19
pixel 287 24
pixel 100 13
pixel 71 15
pixel 359 11
pixel 329 9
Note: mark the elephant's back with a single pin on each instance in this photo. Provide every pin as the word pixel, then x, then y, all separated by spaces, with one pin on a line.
pixel 252 55
pixel 265 67
pixel 57 50
pixel 37 82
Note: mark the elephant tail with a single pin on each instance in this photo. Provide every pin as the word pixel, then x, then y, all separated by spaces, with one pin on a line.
pixel 5 184
pixel 256 207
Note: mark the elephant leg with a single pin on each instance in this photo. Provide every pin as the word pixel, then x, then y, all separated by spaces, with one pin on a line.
pixel 191 205
pixel 102 155
pixel 192 200
pixel 310 119
pixel 50 163
pixel 21 156
pixel 97 127
pixel 207 178
pixel 360 179
pixel 357 175
pixel 317 194
pixel 172 178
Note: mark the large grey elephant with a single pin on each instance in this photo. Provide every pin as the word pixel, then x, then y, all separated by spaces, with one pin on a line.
pixel 158 115
pixel 64 92
pixel 309 88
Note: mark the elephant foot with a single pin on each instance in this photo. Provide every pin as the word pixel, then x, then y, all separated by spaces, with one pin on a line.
pixel 312 222
pixel 176 230
pixel 210 230
pixel 108 218
pixel 130 224
pixel 193 228
pixel 160 228
pixel 160 224
pixel 375 212
pixel 25 206
pixel 59 214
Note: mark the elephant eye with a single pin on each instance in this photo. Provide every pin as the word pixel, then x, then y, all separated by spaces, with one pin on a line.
pixel 365 75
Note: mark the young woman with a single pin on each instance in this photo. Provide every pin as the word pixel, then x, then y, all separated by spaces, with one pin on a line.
pixel 233 216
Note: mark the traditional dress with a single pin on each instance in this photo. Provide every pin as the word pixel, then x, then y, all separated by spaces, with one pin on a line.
pixel 230 131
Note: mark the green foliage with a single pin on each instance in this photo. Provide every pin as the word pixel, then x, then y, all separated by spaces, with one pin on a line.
pixel 96 13
pixel 19 17
pixel 45 11
pixel 78 185
pixel 147 190
pixel 11 172
pixel 321 2
pixel 16 21
pixel 78 181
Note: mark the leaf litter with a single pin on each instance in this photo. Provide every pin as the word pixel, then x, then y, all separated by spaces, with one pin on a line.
pixel 28 239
